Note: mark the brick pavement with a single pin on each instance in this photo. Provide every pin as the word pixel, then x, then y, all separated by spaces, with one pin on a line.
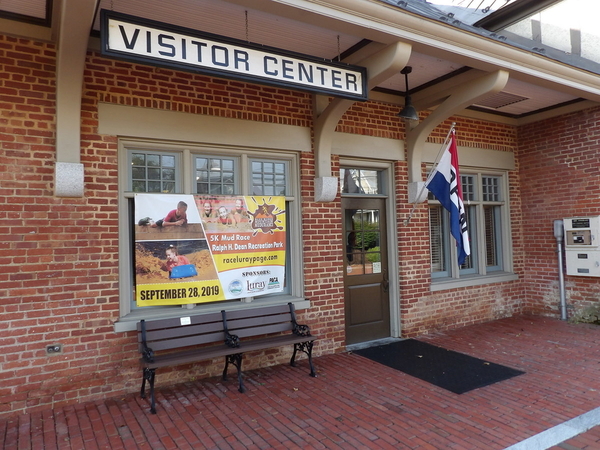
pixel 354 403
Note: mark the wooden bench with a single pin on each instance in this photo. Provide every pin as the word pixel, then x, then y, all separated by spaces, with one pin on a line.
pixel 171 342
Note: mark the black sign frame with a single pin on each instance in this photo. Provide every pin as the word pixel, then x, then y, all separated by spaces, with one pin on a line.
pixel 336 69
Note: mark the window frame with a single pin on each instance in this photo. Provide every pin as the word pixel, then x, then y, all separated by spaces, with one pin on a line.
pixel 128 316
pixel 480 273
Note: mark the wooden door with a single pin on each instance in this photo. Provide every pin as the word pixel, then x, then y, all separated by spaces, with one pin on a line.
pixel 366 281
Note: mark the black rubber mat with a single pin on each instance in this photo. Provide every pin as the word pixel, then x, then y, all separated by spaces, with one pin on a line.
pixel 450 370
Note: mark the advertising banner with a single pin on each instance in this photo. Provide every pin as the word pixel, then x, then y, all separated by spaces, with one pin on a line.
pixel 198 249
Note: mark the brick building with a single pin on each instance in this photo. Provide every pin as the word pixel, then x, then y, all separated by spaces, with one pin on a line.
pixel 75 119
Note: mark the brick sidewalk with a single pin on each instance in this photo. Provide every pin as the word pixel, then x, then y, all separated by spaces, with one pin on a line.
pixel 353 403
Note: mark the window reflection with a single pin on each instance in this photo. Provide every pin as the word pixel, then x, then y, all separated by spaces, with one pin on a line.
pixel 360 181
pixel 363 250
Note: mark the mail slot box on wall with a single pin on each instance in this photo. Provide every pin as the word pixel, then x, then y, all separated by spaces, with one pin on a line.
pixel 582 250
pixel 582 231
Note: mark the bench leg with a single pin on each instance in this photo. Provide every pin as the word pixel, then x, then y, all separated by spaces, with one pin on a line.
pixel 236 360
pixel 149 375
pixel 305 347
pixel 225 369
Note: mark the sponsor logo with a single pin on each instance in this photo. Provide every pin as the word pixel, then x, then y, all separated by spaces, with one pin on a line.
pixel 273 283
pixel 256 286
pixel 236 287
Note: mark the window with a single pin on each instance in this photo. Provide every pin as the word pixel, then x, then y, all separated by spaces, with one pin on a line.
pixel 360 181
pixel 269 177
pixel 215 175
pixel 174 169
pixel 484 197
pixel 152 172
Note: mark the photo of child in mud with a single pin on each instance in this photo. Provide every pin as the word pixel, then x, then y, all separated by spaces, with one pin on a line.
pixel 174 259
pixel 156 261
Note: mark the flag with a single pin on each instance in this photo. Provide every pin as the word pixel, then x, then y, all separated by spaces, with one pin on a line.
pixel 444 184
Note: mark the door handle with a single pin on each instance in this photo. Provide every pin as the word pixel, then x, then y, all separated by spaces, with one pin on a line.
pixel 385 283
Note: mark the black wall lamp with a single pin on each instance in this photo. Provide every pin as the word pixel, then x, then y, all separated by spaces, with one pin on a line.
pixel 408 112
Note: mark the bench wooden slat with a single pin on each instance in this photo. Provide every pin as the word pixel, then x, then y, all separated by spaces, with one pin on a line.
pixel 186 341
pixel 258 312
pixel 259 331
pixel 277 341
pixel 175 359
pixel 176 321
pixel 245 322
pixel 182 330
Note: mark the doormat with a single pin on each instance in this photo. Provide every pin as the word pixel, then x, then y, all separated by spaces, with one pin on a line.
pixel 450 370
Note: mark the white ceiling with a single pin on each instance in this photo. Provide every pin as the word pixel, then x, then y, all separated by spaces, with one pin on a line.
pixel 30 8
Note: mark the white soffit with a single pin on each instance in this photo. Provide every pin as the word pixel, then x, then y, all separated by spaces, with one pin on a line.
pixel 536 97
pixel 424 69
pixel 262 28
pixel 32 8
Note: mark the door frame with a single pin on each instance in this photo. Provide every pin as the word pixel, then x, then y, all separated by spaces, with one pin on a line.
pixel 393 222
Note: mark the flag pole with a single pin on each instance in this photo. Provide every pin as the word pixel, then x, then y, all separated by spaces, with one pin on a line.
pixel 435 164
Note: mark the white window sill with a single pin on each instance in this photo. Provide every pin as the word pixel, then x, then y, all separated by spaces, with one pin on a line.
pixel 472 280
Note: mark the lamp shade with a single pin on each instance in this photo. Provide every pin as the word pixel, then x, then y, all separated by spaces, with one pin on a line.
pixel 408 112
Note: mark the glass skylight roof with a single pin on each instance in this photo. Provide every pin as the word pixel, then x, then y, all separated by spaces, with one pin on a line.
pixel 565 30
pixel 470 11
pixel 570 26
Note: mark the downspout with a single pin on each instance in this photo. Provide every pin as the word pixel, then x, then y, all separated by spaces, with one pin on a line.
pixel 380 66
pixel 559 234
pixel 75 20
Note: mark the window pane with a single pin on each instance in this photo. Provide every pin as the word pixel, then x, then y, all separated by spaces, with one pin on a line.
pixel 228 178
pixel 153 160
pixel 360 181
pixel 168 174
pixel 138 159
pixel 201 163
pixel 470 264
pixel 168 161
pixel 227 164
pixel 493 246
pixel 154 186
pixel 138 186
pixel 153 174
pixel 363 249
pixel 138 173
pixel 437 239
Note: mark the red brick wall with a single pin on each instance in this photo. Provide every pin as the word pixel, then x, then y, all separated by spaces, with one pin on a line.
pixel 559 168
pixel 61 280
pixel 323 251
